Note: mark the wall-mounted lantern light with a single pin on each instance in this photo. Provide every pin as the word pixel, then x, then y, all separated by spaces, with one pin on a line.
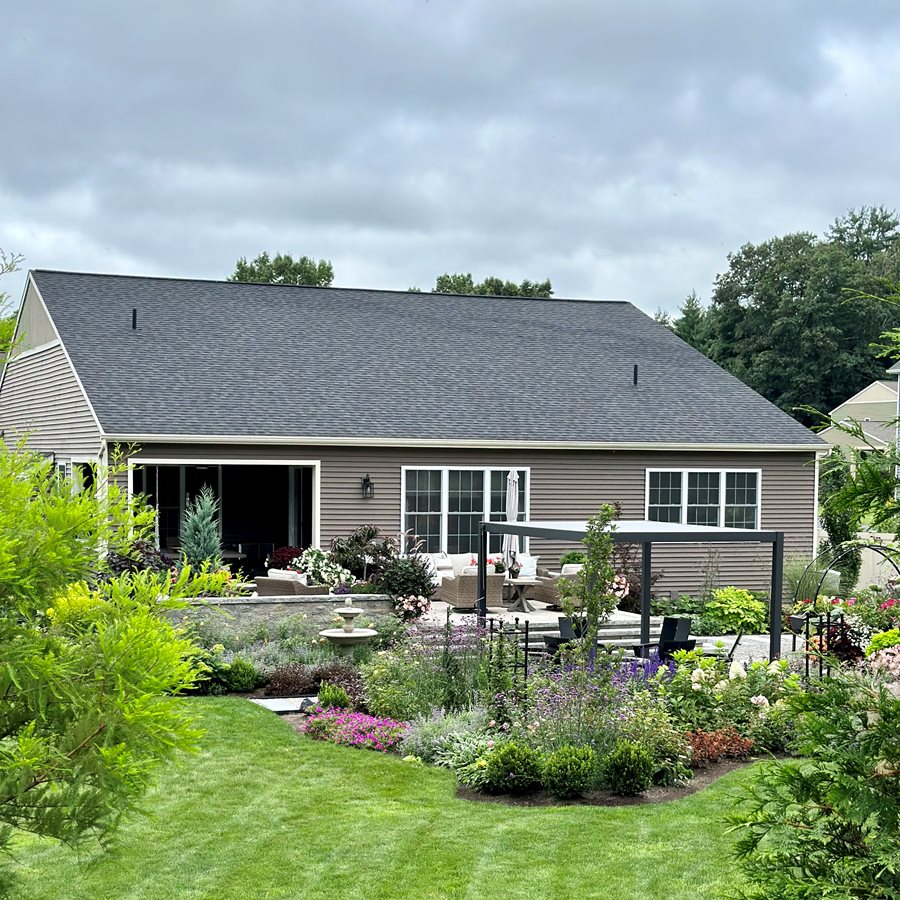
pixel 368 488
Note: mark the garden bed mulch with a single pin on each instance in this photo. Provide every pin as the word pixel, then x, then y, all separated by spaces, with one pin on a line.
pixel 703 778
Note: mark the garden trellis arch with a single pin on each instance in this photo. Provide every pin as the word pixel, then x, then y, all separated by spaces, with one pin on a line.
pixel 645 533
pixel 835 554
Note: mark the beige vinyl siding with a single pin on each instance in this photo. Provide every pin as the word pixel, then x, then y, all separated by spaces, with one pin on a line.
pixel 564 485
pixel 877 411
pixel 35 327
pixel 40 397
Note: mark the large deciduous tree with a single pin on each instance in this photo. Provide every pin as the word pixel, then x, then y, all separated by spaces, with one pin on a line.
pixel 794 318
pixel 284 269
pixel 463 283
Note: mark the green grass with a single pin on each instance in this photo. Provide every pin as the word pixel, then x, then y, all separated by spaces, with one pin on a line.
pixel 262 812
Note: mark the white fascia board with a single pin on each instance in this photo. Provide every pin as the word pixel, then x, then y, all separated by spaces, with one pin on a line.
pixel 269 440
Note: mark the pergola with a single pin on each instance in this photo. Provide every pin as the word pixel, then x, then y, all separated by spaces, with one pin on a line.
pixel 646 533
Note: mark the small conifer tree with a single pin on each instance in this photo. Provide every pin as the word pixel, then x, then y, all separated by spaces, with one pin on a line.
pixel 200 539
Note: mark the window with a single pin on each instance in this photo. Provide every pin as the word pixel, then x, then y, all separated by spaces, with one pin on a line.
pixel 465 509
pixel 724 498
pixel 444 507
pixel 423 507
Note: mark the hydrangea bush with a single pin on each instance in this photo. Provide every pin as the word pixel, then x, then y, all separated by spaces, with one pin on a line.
pixel 319 568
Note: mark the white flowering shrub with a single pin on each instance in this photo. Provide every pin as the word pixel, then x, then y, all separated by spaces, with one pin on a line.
pixel 319 568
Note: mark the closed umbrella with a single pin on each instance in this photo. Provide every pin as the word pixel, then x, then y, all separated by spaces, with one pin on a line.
pixel 511 541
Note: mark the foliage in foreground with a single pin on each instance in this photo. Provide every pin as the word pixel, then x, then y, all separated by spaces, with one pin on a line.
pixel 828 824
pixel 88 673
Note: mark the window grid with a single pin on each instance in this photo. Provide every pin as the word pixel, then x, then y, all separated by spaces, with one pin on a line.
pixel 465 510
pixel 444 507
pixel 703 498
pixel 665 497
pixel 741 499
pixel 721 498
pixel 423 507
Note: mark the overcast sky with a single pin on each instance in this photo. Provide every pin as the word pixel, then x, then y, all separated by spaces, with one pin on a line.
pixel 620 149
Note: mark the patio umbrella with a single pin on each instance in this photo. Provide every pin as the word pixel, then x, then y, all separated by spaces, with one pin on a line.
pixel 511 541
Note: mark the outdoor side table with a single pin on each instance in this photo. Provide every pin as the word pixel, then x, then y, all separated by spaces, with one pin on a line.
pixel 520 586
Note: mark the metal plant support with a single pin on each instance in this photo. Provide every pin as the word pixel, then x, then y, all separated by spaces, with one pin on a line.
pixel 516 637
pixel 825 626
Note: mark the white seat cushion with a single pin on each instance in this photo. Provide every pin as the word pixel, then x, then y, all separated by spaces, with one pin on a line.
pixel 571 568
pixel 473 570
pixel 287 575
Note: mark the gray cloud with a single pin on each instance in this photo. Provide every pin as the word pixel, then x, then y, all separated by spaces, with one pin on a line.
pixel 620 149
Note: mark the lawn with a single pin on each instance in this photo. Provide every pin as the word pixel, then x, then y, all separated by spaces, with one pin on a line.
pixel 262 812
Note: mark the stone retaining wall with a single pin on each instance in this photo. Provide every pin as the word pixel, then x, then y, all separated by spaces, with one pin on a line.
pixel 271 610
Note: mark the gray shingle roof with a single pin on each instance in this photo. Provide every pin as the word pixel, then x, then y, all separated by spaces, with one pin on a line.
pixel 219 358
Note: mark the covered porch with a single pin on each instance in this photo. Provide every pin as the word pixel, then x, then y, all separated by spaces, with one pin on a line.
pixel 262 505
pixel 645 533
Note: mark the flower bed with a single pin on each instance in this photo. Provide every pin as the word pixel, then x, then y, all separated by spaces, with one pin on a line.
pixel 354 729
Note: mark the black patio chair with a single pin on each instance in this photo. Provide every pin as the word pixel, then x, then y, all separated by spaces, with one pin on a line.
pixel 673 636
pixel 569 630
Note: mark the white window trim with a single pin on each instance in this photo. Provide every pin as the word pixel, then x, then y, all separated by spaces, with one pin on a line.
pixel 445 493
pixel 721 473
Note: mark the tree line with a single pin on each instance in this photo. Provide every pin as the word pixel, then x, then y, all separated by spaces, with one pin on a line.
pixel 799 318
pixel 284 269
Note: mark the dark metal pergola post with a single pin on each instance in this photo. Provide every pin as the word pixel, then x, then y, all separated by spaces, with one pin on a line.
pixel 775 597
pixel 482 574
pixel 646 572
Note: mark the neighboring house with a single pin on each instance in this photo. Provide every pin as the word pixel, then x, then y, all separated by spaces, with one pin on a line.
pixel 311 411
pixel 875 409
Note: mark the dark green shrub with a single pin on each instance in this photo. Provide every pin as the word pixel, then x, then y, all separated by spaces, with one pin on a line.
pixel 628 770
pixel 241 676
pixel 405 577
pixel 576 557
pixel 330 695
pixel 214 680
pixel 364 587
pixel 570 771
pixel 513 769
pixel 827 825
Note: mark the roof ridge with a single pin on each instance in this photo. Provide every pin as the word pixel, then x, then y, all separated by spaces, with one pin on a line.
pixel 314 287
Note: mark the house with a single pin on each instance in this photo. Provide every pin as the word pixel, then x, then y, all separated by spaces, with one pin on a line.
pixel 313 410
pixel 875 409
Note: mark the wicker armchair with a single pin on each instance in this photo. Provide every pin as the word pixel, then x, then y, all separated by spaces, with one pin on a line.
pixel 546 591
pixel 462 592
pixel 287 587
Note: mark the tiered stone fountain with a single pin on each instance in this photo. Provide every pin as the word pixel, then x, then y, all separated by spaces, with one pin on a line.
pixel 348 635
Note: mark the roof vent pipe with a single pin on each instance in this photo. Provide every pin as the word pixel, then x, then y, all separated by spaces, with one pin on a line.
pixel 134 321
pixel 635 373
